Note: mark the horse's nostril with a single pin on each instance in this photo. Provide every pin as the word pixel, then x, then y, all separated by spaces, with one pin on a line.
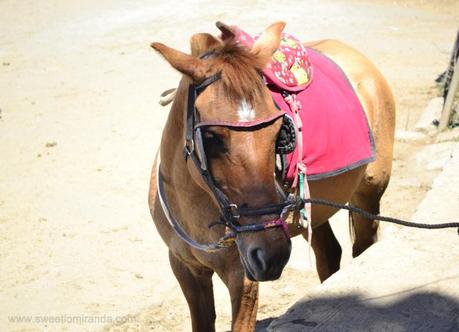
pixel 258 259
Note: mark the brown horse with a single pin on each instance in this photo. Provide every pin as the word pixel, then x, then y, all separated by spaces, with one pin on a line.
pixel 239 164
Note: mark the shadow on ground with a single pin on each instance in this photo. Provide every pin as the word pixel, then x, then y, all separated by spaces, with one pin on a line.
pixel 418 311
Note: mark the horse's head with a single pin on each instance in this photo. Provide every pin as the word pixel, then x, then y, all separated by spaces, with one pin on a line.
pixel 239 125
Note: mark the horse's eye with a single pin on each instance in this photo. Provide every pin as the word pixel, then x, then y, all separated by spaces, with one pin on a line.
pixel 213 143
pixel 211 137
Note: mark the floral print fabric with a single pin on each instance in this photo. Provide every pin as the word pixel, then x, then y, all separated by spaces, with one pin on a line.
pixel 290 67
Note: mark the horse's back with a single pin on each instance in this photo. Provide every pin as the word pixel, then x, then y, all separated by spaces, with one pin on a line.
pixel 375 96
pixel 362 73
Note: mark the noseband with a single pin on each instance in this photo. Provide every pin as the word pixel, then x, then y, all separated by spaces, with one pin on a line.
pixel 230 212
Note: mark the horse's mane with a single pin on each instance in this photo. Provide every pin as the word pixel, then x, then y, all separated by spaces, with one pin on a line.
pixel 240 70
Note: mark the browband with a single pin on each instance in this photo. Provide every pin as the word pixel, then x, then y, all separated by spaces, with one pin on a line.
pixel 239 124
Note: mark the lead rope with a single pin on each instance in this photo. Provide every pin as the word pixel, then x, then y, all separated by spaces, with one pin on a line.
pixel 301 170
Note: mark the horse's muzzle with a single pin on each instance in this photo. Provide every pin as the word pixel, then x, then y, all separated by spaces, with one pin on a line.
pixel 265 261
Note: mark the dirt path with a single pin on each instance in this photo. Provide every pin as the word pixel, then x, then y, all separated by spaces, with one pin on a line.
pixel 80 124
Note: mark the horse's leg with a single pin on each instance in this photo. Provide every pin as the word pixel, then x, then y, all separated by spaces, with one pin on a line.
pixel 366 197
pixel 197 287
pixel 326 249
pixel 244 300
pixel 337 189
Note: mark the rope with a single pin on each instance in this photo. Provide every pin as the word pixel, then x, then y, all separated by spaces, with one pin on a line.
pixel 369 215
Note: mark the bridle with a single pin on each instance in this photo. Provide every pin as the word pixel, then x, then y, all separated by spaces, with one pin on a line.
pixel 194 153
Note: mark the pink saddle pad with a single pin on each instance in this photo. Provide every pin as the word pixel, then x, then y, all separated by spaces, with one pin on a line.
pixel 336 134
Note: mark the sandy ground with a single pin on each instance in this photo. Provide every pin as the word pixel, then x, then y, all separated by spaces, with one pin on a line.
pixel 80 123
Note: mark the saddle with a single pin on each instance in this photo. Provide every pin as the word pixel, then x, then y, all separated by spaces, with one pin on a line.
pixel 332 132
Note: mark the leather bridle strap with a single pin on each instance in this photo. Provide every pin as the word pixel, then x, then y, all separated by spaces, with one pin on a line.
pixel 228 210
pixel 193 91
pixel 191 146
pixel 238 124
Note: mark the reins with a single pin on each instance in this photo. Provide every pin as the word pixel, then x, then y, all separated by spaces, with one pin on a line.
pixel 368 215
pixel 292 204
pixel 220 244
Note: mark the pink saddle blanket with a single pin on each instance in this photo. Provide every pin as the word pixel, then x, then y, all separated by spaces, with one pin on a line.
pixel 336 135
pixel 335 131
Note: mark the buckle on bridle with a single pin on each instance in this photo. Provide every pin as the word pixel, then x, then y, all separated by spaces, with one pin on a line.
pixel 233 210
pixel 188 148
pixel 292 205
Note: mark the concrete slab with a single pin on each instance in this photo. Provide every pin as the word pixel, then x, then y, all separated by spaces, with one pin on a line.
pixel 406 282
pixel 435 156
pixel 431 113
pixel 410 136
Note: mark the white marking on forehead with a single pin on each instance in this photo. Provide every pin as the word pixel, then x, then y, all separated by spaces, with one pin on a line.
pixel 245 111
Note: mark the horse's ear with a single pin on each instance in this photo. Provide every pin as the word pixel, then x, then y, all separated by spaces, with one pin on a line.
pixel 186 64
pixel 202 42
pixel 268 42
pixel 227 31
